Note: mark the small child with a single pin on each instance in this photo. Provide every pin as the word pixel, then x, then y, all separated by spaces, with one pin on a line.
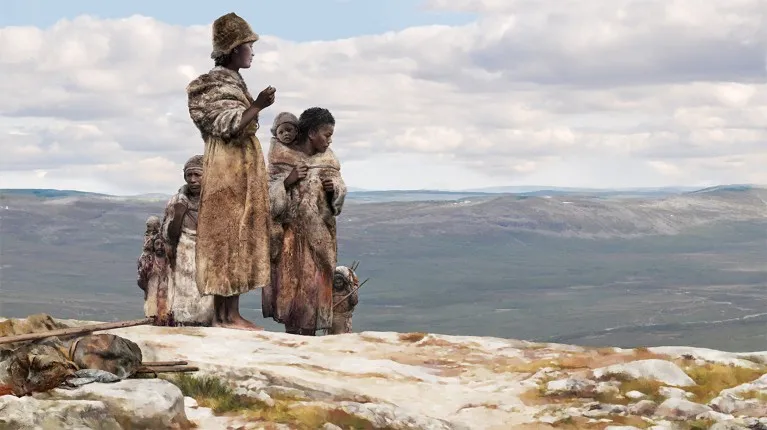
pixel 285 128
pixel 153 273
pixel 344 282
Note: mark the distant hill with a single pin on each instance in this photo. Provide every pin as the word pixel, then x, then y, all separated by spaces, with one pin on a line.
pixel 380 196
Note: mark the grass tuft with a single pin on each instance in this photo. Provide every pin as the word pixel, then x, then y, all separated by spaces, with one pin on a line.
pixel 712 378
pixel 216 394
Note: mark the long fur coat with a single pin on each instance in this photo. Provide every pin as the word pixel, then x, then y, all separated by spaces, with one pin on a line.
pixel 187 306
pixel 304 243
pixel 233 226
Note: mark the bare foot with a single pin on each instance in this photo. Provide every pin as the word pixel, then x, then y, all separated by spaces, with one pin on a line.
pixel 238 324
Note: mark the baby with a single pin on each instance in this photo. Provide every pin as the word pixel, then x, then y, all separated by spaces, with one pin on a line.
pixel 285 128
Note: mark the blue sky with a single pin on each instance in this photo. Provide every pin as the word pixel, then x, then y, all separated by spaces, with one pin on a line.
pixel 297 20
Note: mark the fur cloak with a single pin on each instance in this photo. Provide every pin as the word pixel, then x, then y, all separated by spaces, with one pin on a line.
pixel 233 227
pixel 304 239
pixel 187 306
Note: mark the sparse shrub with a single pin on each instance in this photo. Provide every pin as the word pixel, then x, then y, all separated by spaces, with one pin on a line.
pixel 212 392
pixel 412 337
pixel 712 378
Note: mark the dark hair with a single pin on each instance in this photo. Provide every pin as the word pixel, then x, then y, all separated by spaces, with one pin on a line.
pixel 222 60
pixel 312 119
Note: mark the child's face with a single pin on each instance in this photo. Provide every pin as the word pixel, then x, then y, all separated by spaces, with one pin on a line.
pixel 286 133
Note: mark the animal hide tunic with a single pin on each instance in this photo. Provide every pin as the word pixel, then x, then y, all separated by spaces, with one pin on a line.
pixel 187 306
pixel 304 239
pixel 233 227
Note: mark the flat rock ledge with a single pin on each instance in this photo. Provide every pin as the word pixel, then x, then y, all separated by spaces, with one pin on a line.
pixel 376 380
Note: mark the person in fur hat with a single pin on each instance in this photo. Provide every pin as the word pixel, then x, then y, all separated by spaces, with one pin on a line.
pixel 179 229
pixel 285 128
pixel 234 221
pixel 307 194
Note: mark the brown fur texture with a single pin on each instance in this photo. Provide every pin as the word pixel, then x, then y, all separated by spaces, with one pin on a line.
pixel 114 354
pixel 37 367
pixel 229 32
pixel 344 282
pixel 153 273
pixel 304 235
pixel 233 225
pixel 186 304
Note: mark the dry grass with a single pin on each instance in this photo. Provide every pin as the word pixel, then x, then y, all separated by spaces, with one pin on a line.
pixel 216 394
pixel 412 337
pixel 648 387
pixel 372 339
pixel 712 378
pixel 754 394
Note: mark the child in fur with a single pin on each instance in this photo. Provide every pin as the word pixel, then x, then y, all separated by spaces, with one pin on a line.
pixel 345 299
pixel 285 128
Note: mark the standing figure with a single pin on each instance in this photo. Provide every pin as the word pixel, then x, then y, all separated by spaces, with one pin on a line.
pixel 179 230
pixel 345 299
pixel 234 220
pixel 153 273
pixel 307 194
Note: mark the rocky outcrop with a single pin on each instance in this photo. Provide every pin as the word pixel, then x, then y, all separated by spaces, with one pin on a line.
pixel 405 381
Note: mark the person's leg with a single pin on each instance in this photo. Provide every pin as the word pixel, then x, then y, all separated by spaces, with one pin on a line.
pixel 219 311
pixel 233 319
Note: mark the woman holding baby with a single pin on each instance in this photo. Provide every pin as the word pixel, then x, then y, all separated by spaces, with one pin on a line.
pixel 306 194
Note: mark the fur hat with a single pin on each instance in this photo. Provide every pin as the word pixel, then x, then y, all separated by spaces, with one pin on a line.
pixel 193 163
pixel 229 32
pixel 283 118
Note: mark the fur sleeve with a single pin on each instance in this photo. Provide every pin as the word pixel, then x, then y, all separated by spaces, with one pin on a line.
pixel 168 217
pixel 339 195
pixel 215 105
pixel 278 196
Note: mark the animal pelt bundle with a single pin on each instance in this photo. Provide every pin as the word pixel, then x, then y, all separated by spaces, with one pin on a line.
pixel 107 352
pixel 43 365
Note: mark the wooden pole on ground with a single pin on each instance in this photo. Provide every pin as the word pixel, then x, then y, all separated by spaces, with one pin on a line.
pixel 74 330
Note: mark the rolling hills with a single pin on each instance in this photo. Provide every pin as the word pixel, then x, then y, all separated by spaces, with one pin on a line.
pixel 677 267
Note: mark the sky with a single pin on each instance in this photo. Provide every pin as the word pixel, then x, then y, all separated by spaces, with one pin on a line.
pixel 427 94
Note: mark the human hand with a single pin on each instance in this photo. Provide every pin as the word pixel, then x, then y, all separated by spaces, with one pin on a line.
pixel 327 184
pixel 265 98
pixel 299 172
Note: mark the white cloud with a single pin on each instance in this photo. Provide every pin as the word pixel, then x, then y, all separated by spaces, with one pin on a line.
pixel 592 93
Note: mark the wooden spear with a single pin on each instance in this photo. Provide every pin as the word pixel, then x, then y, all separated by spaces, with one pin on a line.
pixel 74 330
pixel 352 292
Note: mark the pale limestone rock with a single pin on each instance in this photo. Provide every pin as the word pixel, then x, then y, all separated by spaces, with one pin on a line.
pixel 713 415
pixel 680 409
pixel 728 425
pixel 571 386
pixel 643 408
pixel 145 403
pixel 659 370
pixel 331 426
pixel 608 387
pixel 189 402
pixel 29 413
pixel 709 355
pixel 635 395
pixel 674 393
pixel 622 428
pixel 732 401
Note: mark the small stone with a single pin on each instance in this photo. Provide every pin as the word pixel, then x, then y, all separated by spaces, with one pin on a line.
pixel 635 395
pixel 643 408
pixel 261 396
pixel 621 428
pixel 572 386
pixel 681 409
pixel 190 402
pixel 674 393
pixel 331 426
pixel 714 415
